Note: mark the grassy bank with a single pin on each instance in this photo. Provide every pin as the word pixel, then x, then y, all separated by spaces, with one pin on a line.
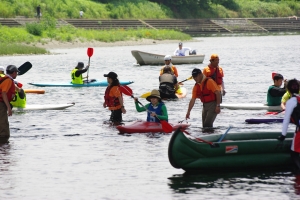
pixel 11 49
pixel 144 9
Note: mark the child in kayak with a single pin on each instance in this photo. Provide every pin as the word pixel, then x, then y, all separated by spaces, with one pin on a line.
pixel 113 98
pixel 157 110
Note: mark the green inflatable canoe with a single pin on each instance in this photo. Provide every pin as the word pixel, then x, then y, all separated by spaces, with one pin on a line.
pixel 245 150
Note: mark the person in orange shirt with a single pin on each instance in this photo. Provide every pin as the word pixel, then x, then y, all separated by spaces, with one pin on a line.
pixel 7 93
pixel 113 98
pixel 168 63
pixel 209 94
pixel 214 71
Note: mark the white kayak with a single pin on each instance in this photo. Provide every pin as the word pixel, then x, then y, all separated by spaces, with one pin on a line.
pixel 250 106
pixel 44 107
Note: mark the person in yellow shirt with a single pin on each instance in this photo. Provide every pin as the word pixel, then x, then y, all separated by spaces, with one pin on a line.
pixel 208 92
pixel 286 97
pixel 76 74
pixel 168 60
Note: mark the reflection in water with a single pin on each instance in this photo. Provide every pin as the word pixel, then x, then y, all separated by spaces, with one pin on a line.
pixel 5 156
pixel 237 183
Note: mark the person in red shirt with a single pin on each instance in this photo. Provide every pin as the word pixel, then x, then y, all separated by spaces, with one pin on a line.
pixel 208 92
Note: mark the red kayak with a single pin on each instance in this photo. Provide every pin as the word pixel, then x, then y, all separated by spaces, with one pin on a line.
pixel 147 127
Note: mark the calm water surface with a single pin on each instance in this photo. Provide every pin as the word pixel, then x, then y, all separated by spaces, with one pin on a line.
pixel 71 154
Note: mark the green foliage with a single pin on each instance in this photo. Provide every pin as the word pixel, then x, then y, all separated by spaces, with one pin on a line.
pixel 35 28
pixel 10 49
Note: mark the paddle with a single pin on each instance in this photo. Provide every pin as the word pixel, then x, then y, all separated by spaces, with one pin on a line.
pixel 213 145
pixel 274 113
pixel 24 68
pixel 222 137
pixel 90 52
pixel 167 128
pixel 145 95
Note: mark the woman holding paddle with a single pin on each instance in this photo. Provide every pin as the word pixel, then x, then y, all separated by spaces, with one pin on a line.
pixel 157 110
pixel 113 98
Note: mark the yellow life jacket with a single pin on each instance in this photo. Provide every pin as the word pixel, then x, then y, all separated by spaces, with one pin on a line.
pixel 76 80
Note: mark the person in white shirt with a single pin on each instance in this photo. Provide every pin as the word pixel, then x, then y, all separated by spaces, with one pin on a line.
pixel 81 13
pixel 292 114
pixel 180 51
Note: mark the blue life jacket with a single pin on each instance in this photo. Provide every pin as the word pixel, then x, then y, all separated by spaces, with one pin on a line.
pixel 156 110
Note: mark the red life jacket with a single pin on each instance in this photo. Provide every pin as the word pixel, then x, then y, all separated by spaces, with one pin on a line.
pixel 11 92
pixel 295 117
pixel 111 101
pixel 216 76
pixel 205 94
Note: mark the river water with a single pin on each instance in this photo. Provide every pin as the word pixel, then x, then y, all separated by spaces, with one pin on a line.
pixel 72 154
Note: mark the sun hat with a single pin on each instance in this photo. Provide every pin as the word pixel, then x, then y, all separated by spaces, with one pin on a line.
pixel 154 93
pixel 111 75
pixel 196 71
pixel 80 65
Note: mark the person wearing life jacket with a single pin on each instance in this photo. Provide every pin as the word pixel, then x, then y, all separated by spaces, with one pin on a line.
pixel 76 74
pixel 168 63
pixel 292 114
pixel 156 109
pixel 7 91
pixel 209 94
pixel 214 71
pixel 168 84
pixel 180 51
pixel 275 92
pixel 287 95
pixel 113 98
pixel 2 71
pixel 19 101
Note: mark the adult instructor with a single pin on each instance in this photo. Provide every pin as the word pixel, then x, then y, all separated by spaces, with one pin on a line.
pixel 7 89
pixel 214 71
pixel 208 92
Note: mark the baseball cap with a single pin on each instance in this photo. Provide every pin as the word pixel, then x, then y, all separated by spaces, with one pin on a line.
pixel 196 71
pixel 80 65
pixel 180 44
pixel 11 69
pixel 111 75
pixel 213 56
pixel 1 68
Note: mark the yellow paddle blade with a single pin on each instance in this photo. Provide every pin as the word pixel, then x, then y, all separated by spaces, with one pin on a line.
pixel 190 78
pixel 145 95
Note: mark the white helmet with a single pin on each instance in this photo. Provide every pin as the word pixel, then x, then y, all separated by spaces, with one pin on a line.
pixel 168 57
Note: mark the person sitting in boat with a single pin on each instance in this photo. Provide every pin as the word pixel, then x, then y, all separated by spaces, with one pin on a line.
pixel 168 84
pixel 214 71
pixel 76 73
pixel 168 60
pixel 157 110
pixel 287 95
pixel 180 51
pixel 113 98
pixel 275 92
pixel 292 114
pixel 208 92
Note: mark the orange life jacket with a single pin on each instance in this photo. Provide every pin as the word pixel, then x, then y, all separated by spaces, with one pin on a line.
pixel 205 94
pixel 216 75
pixel 11 93
pixel 109 100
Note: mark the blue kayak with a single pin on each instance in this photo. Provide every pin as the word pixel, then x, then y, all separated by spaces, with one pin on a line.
pixel 69 84
pixel 264 120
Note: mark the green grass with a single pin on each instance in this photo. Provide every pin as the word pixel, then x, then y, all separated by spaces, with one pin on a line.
pixel 10 49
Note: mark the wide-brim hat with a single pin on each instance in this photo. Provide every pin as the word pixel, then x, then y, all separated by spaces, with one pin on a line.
pixel 154 93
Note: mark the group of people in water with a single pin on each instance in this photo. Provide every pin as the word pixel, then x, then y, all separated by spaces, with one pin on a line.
pixel 209 88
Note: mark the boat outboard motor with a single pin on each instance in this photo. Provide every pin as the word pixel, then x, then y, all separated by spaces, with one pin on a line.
pixel 193 52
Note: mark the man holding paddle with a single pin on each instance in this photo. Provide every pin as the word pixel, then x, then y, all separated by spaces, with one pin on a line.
pixel 275 92
pixel 7 89
pixel 208 92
